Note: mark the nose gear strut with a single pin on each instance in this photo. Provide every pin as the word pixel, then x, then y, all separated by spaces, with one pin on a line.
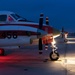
pixel 54 54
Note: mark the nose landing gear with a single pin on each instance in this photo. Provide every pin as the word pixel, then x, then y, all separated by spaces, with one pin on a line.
pixel 54 55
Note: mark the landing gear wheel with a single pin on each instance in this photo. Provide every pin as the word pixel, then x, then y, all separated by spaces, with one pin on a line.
pixel 1 52
pixel 54 56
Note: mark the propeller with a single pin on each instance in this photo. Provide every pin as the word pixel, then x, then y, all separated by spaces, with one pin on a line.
pixel 47 21
pixel 40 39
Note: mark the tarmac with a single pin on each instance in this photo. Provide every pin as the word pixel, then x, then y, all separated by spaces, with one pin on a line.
pixel 27 61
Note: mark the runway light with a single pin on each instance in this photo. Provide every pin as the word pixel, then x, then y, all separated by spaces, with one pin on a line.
pixel 56 36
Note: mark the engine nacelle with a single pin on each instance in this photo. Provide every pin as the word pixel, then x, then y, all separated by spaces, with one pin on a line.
pixel 47 39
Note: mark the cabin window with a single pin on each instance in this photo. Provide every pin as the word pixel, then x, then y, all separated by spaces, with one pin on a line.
pixel 3 17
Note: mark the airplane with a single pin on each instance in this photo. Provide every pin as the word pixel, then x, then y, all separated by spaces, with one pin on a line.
pixel 18 31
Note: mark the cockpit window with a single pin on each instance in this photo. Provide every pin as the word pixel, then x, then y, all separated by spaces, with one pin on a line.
pixel 3 17
pixel 15 16
pixel 18 18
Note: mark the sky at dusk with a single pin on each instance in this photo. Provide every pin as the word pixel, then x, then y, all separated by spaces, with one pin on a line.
pixel 61 13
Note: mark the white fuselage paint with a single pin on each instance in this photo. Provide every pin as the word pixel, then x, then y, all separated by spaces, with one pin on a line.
pixel 19 41
pixel 16 27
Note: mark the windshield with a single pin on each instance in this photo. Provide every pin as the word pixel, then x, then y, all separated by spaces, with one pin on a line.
pixel 19 18
pixel 16 16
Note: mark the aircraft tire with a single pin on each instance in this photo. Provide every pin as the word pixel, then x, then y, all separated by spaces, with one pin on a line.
pixel 1 52
pixel 54 56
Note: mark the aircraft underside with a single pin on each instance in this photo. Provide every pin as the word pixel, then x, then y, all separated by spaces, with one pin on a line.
pixel 25 41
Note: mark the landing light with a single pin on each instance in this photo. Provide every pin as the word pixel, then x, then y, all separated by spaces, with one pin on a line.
pixel 54 42
pixel 56 36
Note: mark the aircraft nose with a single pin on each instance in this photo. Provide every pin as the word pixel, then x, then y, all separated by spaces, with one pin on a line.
pixel 56 32
pixel 41 33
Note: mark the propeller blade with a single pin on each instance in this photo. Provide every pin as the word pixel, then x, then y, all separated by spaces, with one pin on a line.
pixel 41 21
pixel 47 21
pixel 40 46
pixel 40 31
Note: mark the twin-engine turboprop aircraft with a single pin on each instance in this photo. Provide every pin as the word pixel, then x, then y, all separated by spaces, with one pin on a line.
pixel 17 31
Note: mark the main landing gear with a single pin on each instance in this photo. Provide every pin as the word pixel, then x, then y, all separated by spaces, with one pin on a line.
pixel 54 54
